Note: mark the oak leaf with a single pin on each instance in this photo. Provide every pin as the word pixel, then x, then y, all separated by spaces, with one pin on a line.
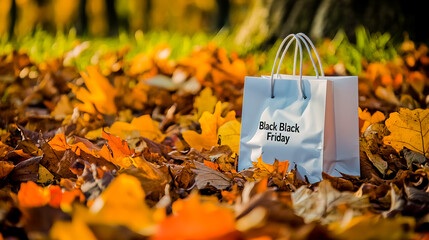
pixel 210 124
pixel 409 128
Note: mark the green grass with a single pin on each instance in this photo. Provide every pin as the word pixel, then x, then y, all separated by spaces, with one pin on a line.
pixel 42 46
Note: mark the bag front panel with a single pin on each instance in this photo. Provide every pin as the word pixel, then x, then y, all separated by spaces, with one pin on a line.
pixel 286 127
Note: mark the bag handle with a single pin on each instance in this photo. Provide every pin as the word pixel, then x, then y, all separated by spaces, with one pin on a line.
pixel 315 51
pixel 307 39
pixel 294 64
pixel 298 42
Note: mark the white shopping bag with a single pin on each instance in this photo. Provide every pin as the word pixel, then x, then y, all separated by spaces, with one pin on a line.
pixel 311 121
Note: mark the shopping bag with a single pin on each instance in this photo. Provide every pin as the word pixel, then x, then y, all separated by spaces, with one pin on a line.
pixel 311 121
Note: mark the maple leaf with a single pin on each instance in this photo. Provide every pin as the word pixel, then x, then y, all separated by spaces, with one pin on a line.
pixel 208 221
pixel 204 102
pixel 142 126
pixel 99 94
pixel 209 127
pixel 121 153
pixel 366 119
pixel 409 128
pixel 265 169
pixel 229 134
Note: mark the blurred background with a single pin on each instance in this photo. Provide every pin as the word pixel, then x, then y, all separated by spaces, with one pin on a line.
pixel 257 22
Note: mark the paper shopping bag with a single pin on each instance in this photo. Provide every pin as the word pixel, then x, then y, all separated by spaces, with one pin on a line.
pixel 318 133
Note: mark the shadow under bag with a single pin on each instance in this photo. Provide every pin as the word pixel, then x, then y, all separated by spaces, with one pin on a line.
pixel 310 121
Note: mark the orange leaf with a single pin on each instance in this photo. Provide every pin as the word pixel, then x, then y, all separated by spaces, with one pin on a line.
pixel 56 196
pixel 120 150
pixel 212 165
pixel 99 94
pixel 59 143
pixel 366 119
pixel 208 221
pixel 31 195
pixel 142 126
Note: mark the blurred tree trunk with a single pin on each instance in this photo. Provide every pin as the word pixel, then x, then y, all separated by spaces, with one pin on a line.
pixel 269 20
pixel 112 17
pixel 82 22
pixel 13 16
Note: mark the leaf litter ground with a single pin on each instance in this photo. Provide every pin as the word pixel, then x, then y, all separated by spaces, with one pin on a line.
pixel 147 148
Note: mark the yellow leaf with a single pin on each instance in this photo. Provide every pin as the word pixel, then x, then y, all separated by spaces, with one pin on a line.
pixel 209 126
pixel 142 126
pixel 409 128
pixel 122 203
pixel 229 134
pixel 264 169
pixel 99 94
pixel 75 229
pixel 204 102
pixel 63 108
pixel 44 175
pixel 373 227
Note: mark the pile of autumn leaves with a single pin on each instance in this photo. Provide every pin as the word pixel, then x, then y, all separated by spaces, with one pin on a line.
pixel 148 148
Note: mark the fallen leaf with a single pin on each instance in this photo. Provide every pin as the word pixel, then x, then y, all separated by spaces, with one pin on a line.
pixel 44 175
pixel 205 102
pixel 120 151
pixel 206 177
pixel 366 119
pixel 5 168
pixel 142 126
pixel 264 170
pixel 209 127
pixel 76 229
pixel 31 195
pixel 152 179
pixel 27 170
pixel 229 134
pixel 374 227
pixel 208 221
pixel 409 128
pixel 122 203
pixel 323 204
pixel 100 95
